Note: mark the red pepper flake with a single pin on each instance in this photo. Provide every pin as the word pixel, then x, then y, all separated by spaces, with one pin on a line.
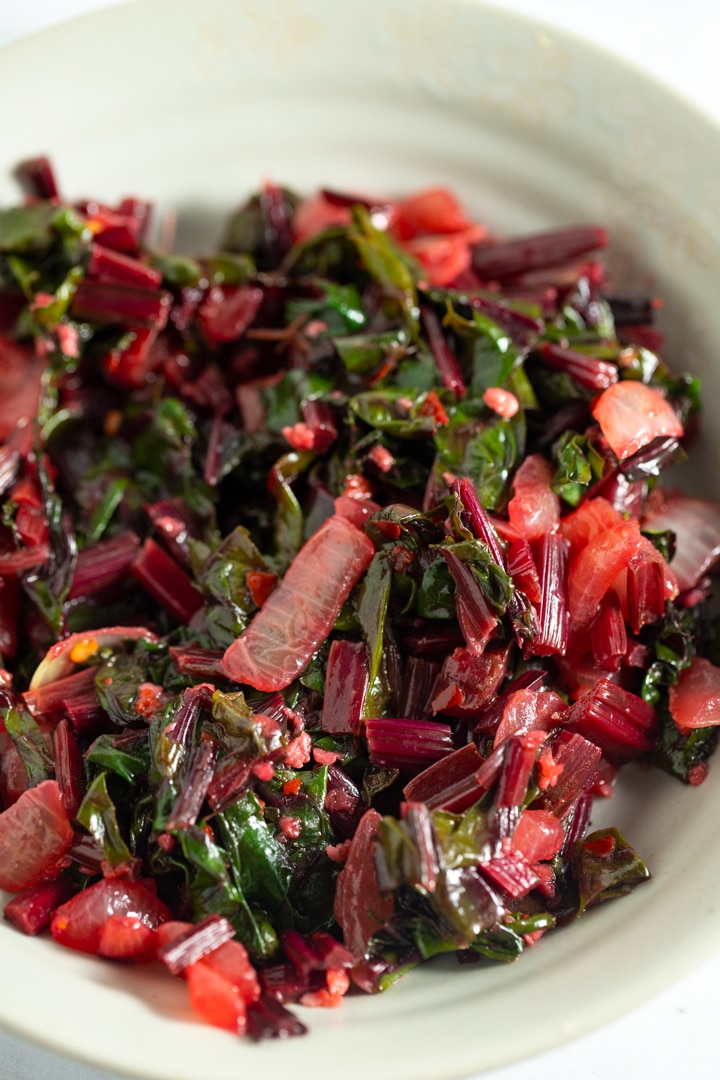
pixel 600 845
pixel 433 406
pixel 501 401
pixel 291 787
pixel 147 699
pixel 260 585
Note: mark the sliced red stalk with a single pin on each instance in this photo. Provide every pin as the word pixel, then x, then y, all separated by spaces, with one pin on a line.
pixel 36 174
pixel 512 873
pixel 343 802
pixel 283 982
pixel 521 327
pixel 513 258
pixel 479 520
pixel 111 266
pixel 49 702
pixel 577 819
pixel 131 363
pixel 645 592
pixel 445 360
pixel 477 619
pixel 194 660
pixel 346 684
pixel 31 911
pixel 174 526
pixel 522 569
pixel 294 621
pixel 360 908
pixel 490 717
pixel 10 459
pixel 227 311
pixel 195 943
pixel 407 744
pixel 216 1000
pixel 232 778
pixel 467 681
pixel 196 779
pixel 608 635
pixel 418 681
pixel 10 598
pixel 268 1019
pixel 103 564
pixel 619 722
pixel 106 302
pixel 519 756
pixel 552 634
pixel 69 769
pixel 579 759
pixel 587 371
pixel 417 820
pixel 433 643
pixel 448 784
pixel 652 459
pixel 119 229
pixel 166 582
pixel 320 418
pixel 314 953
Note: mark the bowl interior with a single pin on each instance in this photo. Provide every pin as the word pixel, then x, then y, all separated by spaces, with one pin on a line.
pixel 193 106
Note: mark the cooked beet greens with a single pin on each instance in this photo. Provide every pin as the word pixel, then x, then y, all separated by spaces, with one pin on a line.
pixel 335 585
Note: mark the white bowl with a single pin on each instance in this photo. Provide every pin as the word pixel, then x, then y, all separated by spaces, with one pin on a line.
pixel 193 105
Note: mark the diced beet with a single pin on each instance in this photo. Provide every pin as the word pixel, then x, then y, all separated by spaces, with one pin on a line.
pixel 126 937
pixel 534 509
pixel 538 835
pixel 108 265
pixel 31 911
pixel 38 176
pixel 217 1000
pixel 35 833
pixel 78 923
pixel 695 700
pixel 631 415
pixel 281 639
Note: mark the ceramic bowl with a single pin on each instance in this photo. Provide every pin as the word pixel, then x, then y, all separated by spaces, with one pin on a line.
pixel 193 105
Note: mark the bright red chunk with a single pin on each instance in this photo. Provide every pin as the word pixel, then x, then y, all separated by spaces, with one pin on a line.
pixel 631 415
pixel 35 833
pixel 215 999
pixel 79 923
pixel 695 701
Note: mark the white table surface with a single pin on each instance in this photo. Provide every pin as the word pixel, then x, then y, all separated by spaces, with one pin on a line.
pixel 675 1034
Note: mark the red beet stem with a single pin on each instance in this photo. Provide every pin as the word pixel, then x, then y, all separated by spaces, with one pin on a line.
pixel 512 258
pixel 346 683
pixel 608 636
pixel 166 582
pixel 587 371
pixel 31 911
pixel 552 635
pixel 69 769
pixel 108 302
pixel 103 564
pixel 448 784
pixel 112 266
pixel 407 744
pixel 196 943
pixel 445 360
pixel 481 525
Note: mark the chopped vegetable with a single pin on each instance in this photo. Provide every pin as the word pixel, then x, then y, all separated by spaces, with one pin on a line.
pixel 335 584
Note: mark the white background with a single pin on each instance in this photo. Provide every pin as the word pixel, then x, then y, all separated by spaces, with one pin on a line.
pixel 675 1034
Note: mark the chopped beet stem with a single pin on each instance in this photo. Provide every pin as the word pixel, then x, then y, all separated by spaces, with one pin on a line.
pixel 445 360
